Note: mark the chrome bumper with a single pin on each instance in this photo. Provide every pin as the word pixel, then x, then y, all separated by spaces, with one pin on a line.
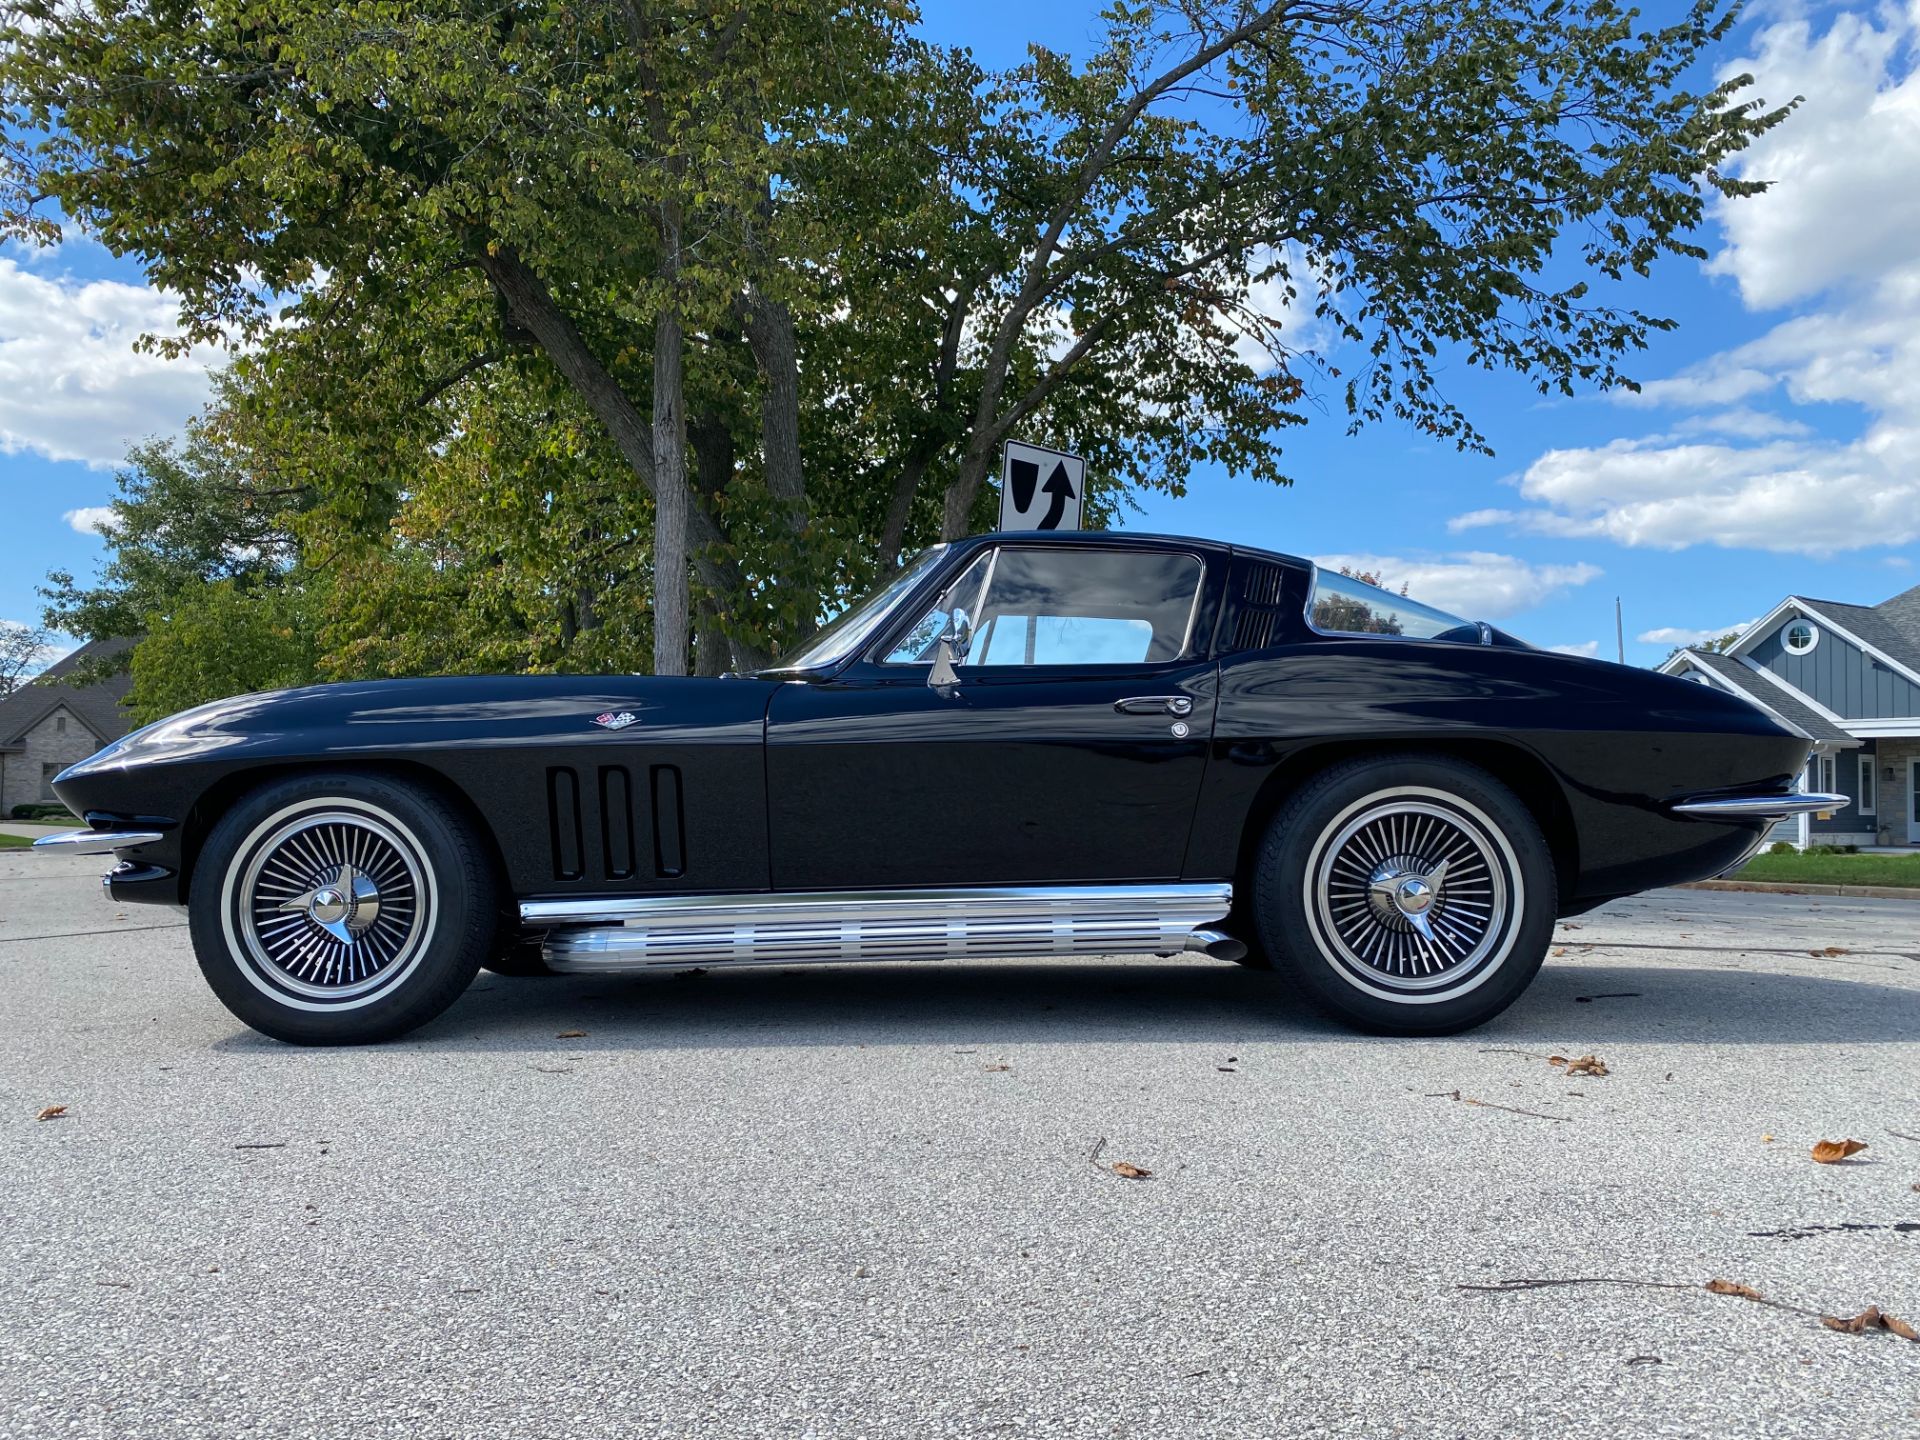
pixel 1759 807
pixel 95 842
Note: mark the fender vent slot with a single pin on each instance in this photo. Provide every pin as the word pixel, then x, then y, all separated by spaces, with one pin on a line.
pixel 669 823
pixel 616 822
pixel 563 822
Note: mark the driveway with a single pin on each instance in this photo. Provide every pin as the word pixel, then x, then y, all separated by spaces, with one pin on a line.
pixel 871 1201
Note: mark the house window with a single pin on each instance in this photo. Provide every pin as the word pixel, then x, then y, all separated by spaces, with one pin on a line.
pixel 47 772
pixel 1823 774
pixel 1869 803
pixel 1799 636
pixel 59 724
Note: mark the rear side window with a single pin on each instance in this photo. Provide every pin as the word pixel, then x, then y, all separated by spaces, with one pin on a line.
pixel 1342 605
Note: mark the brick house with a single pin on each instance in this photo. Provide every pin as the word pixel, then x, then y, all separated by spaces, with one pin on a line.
pixel 1848 677
pixel 50 723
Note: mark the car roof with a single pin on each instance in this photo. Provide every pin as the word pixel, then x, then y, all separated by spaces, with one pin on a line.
pixel 1128 540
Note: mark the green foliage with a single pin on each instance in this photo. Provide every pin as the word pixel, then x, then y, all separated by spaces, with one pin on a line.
pixel 218 639
pixel 187 512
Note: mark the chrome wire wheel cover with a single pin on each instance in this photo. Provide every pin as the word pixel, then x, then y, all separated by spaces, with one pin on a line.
pixel 1413 894
pixel 331 902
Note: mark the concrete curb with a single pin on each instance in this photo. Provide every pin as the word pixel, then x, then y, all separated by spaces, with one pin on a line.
pixel 1768 887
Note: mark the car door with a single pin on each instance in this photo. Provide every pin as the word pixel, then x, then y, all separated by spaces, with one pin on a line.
pixel 1070 748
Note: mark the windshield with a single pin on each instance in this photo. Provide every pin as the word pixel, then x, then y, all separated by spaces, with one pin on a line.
pixel 1344 605
pixel 850 629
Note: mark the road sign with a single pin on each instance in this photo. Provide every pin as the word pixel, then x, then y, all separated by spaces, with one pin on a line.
pixel 1041 489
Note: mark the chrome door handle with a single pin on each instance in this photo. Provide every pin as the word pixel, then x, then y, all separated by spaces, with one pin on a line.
pixel 1155 705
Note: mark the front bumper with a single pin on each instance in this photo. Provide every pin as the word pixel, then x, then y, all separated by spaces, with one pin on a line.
pixel 1759 807
pixel 96 842
pixel 136 880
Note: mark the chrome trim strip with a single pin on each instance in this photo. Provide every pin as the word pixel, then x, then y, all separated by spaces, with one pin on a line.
pixel 637 932
pixel 1759 807
pixel 96 842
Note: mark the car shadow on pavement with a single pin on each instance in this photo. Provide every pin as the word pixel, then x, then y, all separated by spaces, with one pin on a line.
pixel 1162 1002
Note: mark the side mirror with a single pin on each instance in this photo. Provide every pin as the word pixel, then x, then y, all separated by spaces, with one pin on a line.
pixel 960 634
pixel 949 650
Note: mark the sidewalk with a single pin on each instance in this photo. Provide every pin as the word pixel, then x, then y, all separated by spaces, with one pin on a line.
pixel 32 830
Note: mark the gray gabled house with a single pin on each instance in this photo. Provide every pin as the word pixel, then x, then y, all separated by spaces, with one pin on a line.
pixel 49 723
pixel 1848 677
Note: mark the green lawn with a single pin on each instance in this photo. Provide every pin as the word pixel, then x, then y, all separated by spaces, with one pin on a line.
pixel 11 842
pixel 1834 869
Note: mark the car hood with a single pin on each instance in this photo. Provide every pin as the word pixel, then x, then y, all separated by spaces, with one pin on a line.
pixel 393 717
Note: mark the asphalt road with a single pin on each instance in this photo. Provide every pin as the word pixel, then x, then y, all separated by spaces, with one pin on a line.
pixel 861 1203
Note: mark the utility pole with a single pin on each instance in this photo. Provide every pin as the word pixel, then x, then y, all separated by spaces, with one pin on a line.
pixel 1619 631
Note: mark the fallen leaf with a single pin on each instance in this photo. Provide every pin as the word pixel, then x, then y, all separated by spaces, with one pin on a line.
pixel 1766 1139
pixel 1561 951
pixel 571 1035
pixel 1871 1318
pixel 52 1112
pixel 1585 1065
pixel 1731 1287
pixel 1831 1152
pixel 1830 950
pixel 1130 1172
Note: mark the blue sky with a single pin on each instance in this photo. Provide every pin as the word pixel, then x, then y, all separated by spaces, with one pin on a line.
pixel 1776 447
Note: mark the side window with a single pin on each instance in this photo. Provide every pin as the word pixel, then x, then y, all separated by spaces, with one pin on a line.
pixel 1085 607
pixel 915 646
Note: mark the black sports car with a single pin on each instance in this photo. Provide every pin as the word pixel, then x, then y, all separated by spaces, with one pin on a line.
pixel 1020 745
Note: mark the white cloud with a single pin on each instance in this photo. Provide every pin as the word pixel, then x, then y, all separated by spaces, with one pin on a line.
pixel 89 519
pixel 72 386
pixel 1845 205
pixel 1839 223
pixel 1476 584
pixel 1742 424
pixel 1680 635
pixel 1587 648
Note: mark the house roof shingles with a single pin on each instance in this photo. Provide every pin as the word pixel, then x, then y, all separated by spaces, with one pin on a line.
pixel 98 706
pixel 1892 626
pixel 1773 697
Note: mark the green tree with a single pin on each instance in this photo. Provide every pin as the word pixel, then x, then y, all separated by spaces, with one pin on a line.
pixel 219 638
pixel 784 278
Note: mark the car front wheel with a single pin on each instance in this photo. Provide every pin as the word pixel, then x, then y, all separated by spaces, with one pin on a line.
pixel 1406 895
pixel 336 909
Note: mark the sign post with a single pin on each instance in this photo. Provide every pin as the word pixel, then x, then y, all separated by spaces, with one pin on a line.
pixel 1041 489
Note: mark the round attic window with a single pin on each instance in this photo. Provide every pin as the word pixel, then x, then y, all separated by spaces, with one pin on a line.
pixel 1799 636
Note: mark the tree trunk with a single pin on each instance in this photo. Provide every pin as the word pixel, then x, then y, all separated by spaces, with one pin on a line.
pixel 671 500
pixel 893 530
pixel 769 327
pixel 533 309
pixel 956 515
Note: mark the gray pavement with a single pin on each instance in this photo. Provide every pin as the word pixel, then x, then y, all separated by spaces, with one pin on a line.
pixel 859 1202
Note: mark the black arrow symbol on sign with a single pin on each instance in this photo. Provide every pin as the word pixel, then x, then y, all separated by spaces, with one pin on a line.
pixel 1061 489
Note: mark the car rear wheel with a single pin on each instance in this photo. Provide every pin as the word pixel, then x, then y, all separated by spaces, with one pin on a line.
pixel 1408 895
pixel 337 909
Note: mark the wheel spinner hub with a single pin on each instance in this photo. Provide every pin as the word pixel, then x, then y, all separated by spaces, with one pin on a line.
pixel 345 903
